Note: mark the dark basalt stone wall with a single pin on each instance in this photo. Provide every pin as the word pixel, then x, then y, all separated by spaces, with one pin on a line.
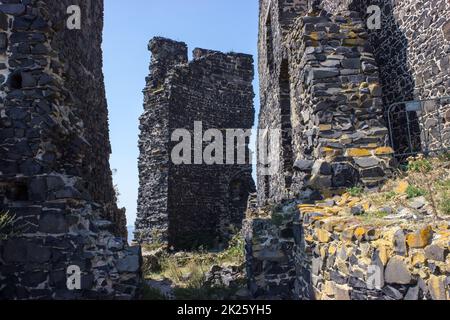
pixel 412 50
pixel 54 158
pixel 320 85
pixel 189 205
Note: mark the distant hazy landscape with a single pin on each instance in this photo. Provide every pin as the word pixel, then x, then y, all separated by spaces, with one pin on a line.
pixel 130 233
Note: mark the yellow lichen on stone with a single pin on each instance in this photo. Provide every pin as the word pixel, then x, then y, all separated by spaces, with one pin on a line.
pixel 418 258
pixel 437 287
pixel 384 151
pixel 314 36
pixel 401 187
pixel 358 152
pixel 352 35
pixel 420 239
pixel 332 250
pixel 353 202
pixel 323 235
pixel 366 206
pixel 325 127
pixel 359 233
pixel 383 254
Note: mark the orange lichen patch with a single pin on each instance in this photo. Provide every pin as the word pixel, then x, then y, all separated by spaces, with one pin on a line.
pixel 309 238
pixel 360 233
pixel 402 187
pixel 358 152
pixel 384 151
pixel 420 239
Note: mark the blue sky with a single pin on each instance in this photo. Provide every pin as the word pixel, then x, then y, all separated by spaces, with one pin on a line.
pixel 225 25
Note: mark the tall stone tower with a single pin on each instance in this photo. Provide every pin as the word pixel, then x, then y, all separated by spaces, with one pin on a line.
pixel 55 177
pixel 328 81
pixel 321 86
pixel 192 203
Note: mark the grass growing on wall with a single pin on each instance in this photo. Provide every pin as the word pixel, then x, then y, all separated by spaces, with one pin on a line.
pixel 187 271
pixel 6 225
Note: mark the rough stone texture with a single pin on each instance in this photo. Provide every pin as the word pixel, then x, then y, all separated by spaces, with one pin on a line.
pixel 188 205
pixel 320 85
pixel 319 251
pixel 54 158
pixel 412 49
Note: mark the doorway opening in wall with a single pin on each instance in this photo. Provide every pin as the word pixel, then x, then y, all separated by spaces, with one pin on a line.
pixel 286 123
pixel 267 186
pixel 269 43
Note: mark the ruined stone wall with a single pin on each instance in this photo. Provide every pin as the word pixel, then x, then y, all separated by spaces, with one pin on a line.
pixel 196 204
pixel 328 99
pixel 276 18
pixel 54 158
pixel 321 252
pixel 412 50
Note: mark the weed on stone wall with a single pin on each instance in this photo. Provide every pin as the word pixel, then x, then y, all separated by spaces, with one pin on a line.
pixel 6 225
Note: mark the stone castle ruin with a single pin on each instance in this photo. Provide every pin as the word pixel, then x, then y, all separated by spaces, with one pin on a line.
pixel 327 81
pixel 190 204
pixel 55 177
pixel 351 101
pixel 331 84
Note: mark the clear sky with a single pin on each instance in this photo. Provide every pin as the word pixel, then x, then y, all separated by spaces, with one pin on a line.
pixel 225 25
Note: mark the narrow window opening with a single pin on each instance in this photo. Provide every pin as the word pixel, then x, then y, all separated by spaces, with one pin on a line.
pixel 267 186
pixel 269 43
pixel 286 122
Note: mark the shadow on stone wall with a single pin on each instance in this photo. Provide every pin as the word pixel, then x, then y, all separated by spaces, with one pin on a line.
pixel 390 47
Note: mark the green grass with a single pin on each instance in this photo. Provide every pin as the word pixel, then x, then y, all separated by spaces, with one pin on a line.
pixel 390 195
pixel 187 271
pixel 372 217
pixel 443 188
pixel 355 191
pixel 445 157
pixel 445 206
pixel 414 192
pixel 421 165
